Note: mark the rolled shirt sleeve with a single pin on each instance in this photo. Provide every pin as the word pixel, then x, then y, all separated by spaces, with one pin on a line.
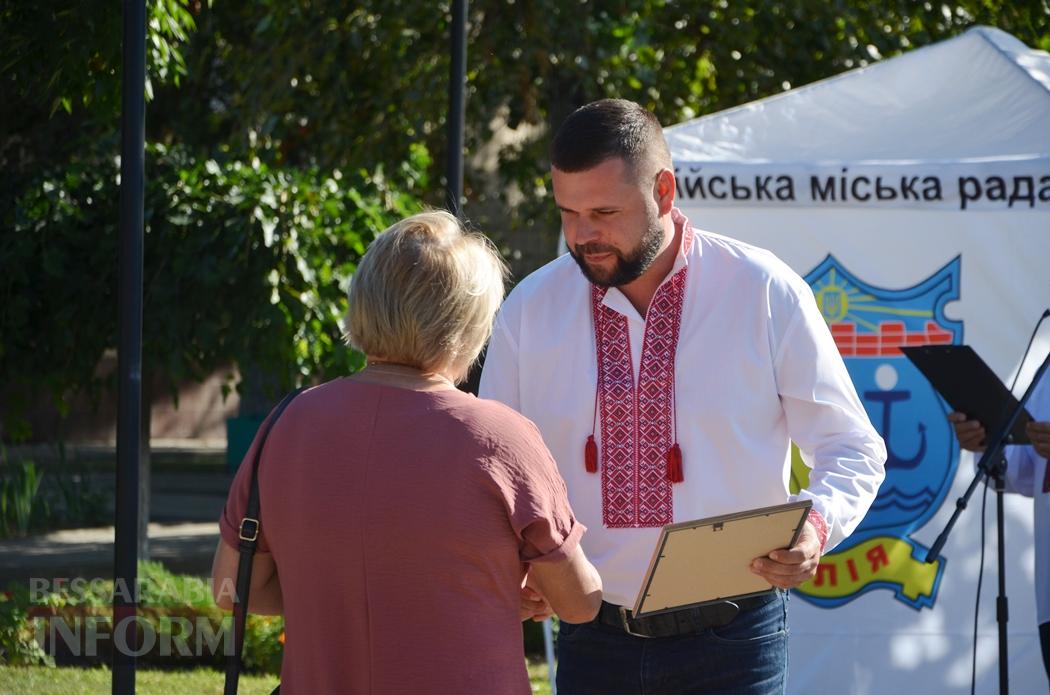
pixel 537 500
pixel 534 494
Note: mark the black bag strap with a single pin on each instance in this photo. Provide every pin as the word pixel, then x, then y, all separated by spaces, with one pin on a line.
pixel 249 534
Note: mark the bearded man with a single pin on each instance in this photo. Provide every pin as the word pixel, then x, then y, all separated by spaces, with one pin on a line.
pixel 668 370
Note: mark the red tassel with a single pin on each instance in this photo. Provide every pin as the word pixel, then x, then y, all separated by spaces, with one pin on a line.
pixel 590 455
pixel 674 464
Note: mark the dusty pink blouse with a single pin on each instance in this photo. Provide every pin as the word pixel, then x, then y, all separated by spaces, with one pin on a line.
pixel 400 522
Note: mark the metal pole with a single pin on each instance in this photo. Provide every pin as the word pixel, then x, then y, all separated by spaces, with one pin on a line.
pixel 129 354
pixel 548 649
pixel 1002 605
pixel 456 102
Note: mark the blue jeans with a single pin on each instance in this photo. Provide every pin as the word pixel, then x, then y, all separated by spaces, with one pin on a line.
pixel 746 657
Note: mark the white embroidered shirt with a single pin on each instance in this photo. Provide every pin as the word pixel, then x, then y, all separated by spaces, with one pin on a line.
pixel 755 369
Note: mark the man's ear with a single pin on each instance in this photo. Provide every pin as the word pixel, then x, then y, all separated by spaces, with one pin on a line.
pixel 664 191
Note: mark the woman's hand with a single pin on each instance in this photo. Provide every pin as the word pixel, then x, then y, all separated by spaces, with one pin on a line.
pixel 534 606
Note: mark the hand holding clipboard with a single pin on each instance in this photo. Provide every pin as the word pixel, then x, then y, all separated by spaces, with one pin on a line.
pixel 970 386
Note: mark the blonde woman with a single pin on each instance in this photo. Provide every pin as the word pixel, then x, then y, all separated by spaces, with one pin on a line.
pixel 399 514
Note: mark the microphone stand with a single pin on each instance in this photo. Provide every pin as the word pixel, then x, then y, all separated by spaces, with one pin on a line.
pixel 993 465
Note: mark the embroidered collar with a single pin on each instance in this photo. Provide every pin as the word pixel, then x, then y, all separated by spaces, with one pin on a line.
pixel 640 456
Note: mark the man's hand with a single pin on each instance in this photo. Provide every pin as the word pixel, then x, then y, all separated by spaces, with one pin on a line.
pixel 796 565
pixel 969 432
pixel 1039 433
pixel 533 606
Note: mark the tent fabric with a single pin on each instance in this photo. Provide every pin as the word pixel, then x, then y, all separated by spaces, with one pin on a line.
pixel 889 189
pixel 941 102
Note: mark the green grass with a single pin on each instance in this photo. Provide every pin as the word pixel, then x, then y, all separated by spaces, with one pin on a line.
pixel 538 677
pixel 40 680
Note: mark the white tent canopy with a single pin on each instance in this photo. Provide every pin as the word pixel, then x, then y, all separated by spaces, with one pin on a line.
pixel 914 196
pixel 943 102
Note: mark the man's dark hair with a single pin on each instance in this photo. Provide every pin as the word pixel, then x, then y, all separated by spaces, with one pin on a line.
pixel 609 128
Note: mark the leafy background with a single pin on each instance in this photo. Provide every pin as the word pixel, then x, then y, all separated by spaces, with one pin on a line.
pixel 284 135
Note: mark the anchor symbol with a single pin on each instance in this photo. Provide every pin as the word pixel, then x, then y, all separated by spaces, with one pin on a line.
pixel 888 398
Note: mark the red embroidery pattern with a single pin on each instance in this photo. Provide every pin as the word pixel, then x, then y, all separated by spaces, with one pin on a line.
pixel 638 424
pixel 817 519
pixel 616 396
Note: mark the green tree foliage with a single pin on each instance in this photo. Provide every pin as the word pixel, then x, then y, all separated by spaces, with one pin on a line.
pixel 350 84
pixel 60 68
pixel 246 259
pixel 59 54
pixel 241 262
pixel 264 101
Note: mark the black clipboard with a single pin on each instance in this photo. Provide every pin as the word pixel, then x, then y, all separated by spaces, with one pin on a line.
pixel 707 560
pixel 970 386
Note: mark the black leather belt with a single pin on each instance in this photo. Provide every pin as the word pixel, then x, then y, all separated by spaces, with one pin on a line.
pixel 688 621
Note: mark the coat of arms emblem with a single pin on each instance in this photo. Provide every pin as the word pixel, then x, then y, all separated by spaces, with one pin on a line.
pixel 870 325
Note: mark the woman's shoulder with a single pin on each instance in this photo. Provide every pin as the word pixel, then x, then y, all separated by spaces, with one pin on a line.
pixel 313 399
pixel 496 426
pixel 454 403
pixel 491 413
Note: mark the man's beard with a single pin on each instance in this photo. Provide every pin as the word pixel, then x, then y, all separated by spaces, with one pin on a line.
pixel 628 267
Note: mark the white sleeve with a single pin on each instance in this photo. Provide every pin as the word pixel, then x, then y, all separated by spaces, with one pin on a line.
pixel 1020 469
pixel 1021 461
pixel 826 420
pixel 499 376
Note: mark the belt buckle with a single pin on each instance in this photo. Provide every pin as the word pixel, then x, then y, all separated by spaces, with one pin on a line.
pixel 627 625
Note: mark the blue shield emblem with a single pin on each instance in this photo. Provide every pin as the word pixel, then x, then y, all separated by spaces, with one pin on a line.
pixel 870 325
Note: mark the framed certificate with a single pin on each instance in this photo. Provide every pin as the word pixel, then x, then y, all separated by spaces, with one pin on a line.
pixel 698 562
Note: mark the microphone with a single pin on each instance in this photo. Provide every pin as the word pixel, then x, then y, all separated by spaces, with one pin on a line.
pixel 1046 312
